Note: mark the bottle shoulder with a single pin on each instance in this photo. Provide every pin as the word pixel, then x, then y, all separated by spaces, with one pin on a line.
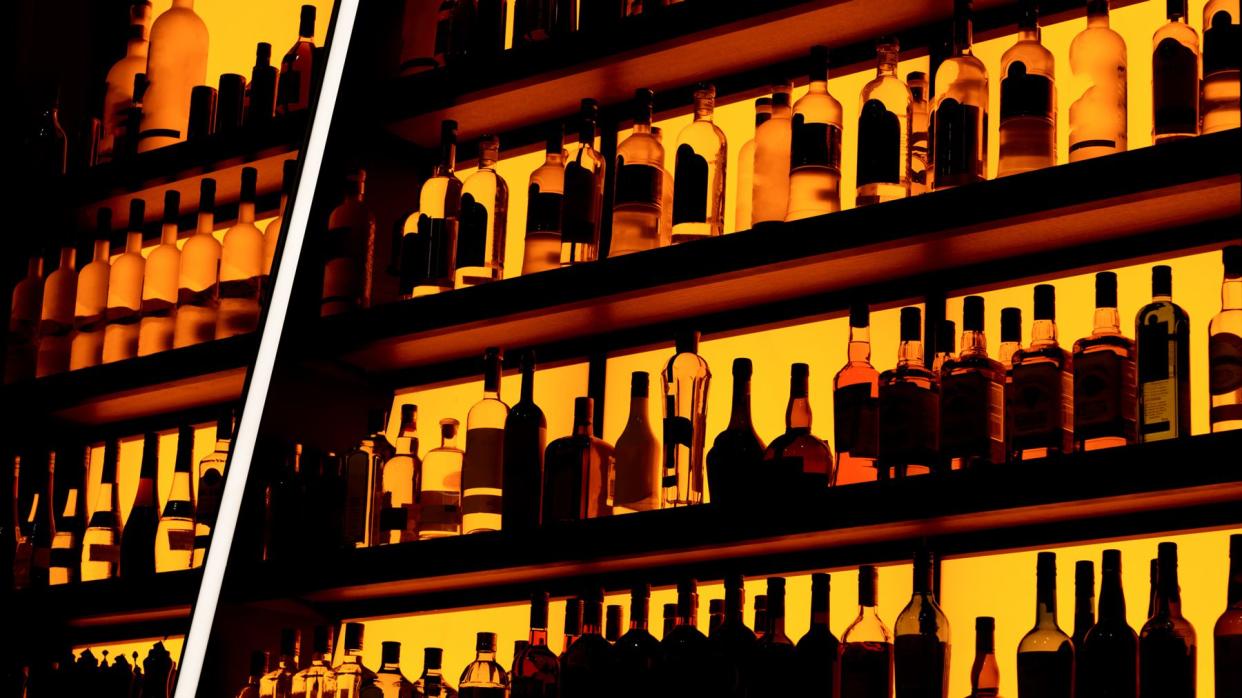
pixel 1181 32
pixel 641 149
pixel 485 182
pixel 488 412
pixel 1115 343
pixel 920 616
pixel 799 444
pixel 1045 638
pixel 1033 55
pixel 867 628
pixel 889 90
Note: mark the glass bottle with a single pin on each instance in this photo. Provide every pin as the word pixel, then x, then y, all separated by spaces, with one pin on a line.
pixel 1028 103
pixel 612 623
pixel 174 540
pixel 91 304
pixel 819 651
pixel 56 319
pixel 432 678
pixel 957 130
pixel 16 539
pixel 1167 644
pixel 945 344
pixel 1046 653
pixel 160 279
pixel 297 67
pixel 66 553
pixel 972 403
pixel 317 680
pixel 259 667
pixel 431 268
pixel 539 20
pixel 921 647
pixel 351 674
pixel 484 677
pixel 736 456
pixel 525 438
pixel 666 194
pixel 732 643
pixel 261 93
pixel 583 192
pixel 1162 331
pixel 1175 77
pixel 856 404
pixel 638 201
pixel 815 146
pixel 101 550
pixel 389 679
pixel 439 486
pixel 746 168
pixel 536 670
pixel 1225 346
pixel 685 650
pixel 572 626
pixel 482 473
pixel 636 485
pixel 1098 113
pixel 398 518
pixel 1011 341
pixel 637 652
pixel 119 88
pixel 885 118
pixel 1220 66
pixel 1041 400
pixel 544 197
pixel 1108 653
pixel 1227 634
pixel 715 616
pixel 1084 609
pixel 867 646
pixel 271 233
pixel 798 461
pixel 587 666
pixel 775 662
pixel 21 347
pixel 483 217
pixel 773 141
pixel 41 526
pixel 139 538
pixel 349 250
pixel 211 486
pixel 364 470
pixel 176 62
pixel 684 381
pixel 241 266
pixel 916 82
pixel 199 275
pixel 984 672
pixel 699 172
pixel 125 292
pixel 577 469
pixel 47 147
pixel 1104 376
pixel 909 407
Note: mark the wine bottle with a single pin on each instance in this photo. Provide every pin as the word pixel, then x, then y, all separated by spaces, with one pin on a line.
pixel 775 662
pixel 1098 114
pixel 1028 104
pixel 66 553
pixel 174 539
pixel 684 380
pixel 972 403
pixel 398 518
pixel 586 668
pixel 199 276
pixel 264 83
pixel 160 284
pixel 884 127
pixel 984 672
pixel 125 291
pixel 732 644
pixel 41 528
pixel 1162 330
pixel 638 201
pixel 746 168
pixel 909 407
pixel 1108 653
pixel 525 438
pixel 349 251
pixel 921 647
pixel 482 472
pixel 867 646
pixel 1225 347
pixel 17 545
pixel 430 270
pixel 101 551
pixel 91 305
pixel 798 461
pixel 119 89
pixel 1046 654
pixel 297 67
pixel 536 670
pixel 636 483
pixel 1175 77
pixel 1042 390
pixel 241 266
pixel 1228 631
pixel 484 216
pixel 56 319
pixel 544 197
pixel 21 347
pixel 916 81
pixel 584 192
pixel 685 651
pixel 576 471
pixel 439 495
pixel 957 129
pixel 1167 644
pixel 637 652
pixel 773 140
pixel 1220 66
pixel 699 172
pixel 1104 376
pixel 736 457
pixel 815 146
pixel 484 677
pixel 818 651
pixel 176 62
pixel 138 542
pixel 211 486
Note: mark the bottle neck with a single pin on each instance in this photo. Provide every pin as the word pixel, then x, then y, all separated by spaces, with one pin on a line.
pixel 557 159
pixel 1235 581
pixel 639 608
pixel 704 108
pixel 68 256
pixel 34 267
pixel 739 416
pixel 910 353
pixel 245 212
pixel 1044 333
pixel 583 427
pixel 974 343
pixel 798 413
pixel 448 160
pixel 102 250
pixel 1107 322
pixel 1168 594
pixel 860 345
pixel 528 385
pixel 180 491
pixel 638 408
pixel 886 63
pixel 186 4
pixel 734 604
pixel 1028 34
pixel 963 34
pixel 136 48
pixel 1231 294
pixel 1112 598
pixel 538 637
pixel 1084 610
pixel 133 242
pixel 776 615
pixel 1046 601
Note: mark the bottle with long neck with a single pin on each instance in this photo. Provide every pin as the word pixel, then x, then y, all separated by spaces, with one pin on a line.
pixel 176 62
pixel 1046 653
pixel 1084 602
pixel 576 471
pixel 398 519
pixel 685 650
pixel 56 319
pixel 797 460
pixel 21 347
pixel 958 131
pixel 1028 103
pixel 921 647
pixel 211 486
pixel 815 146
pixel 525 438
pixel 241 266
pixel 884 128
pixel 586 667
pixel 1228 631
pixel 1162 331
pixel 732 643
pixel 1221 66
pixel 583 200
pixel 1167 643
pixel 909 407
pixel 261 94
pixel 119 88
pixel 160 284
pixel 1224 343
pixel 773 140
pixel 317 680
pixel 174 540
pixel 271 233
pixel 699 172
pixel 1175 77
pixel 544 197
pixel 819 651
pixel 775 661
pixel 637 652
pixel 536 670
pixel 1104 376
pixel 855 402
pixel 364 469
pixel 66 554
pixel 636 484
pixel 916 81
pixel 297 67
pixel 638 201
pixel 349 250
pixel 1098 113
pixel 572 626
pixel 101 550
pixel 125 291
pixel 946 333
pixel 746 168
pixel 484 677
pixel 972 404
pixel 431 269
pixel 432 677
pixel 351 673
pixel 138 541
pixel 278 683
pixel 484 220
pixel 197 305
pixel 684 380
pixel 89 315
pixel 1042 387
pixel 482 473
pixel 737 454
pixel 867 646
pixel 984 672
pixel 16 537
pixel 439 485
pixel 41 526
pixel 1108 654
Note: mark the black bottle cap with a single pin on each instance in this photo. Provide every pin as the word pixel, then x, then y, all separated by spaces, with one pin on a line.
pixel 1011 325
pixel 821 588
pixel 258 663
pixel 354 633
pixel 644 102
pixel 1084 575
pixel 584 411
pixel 923 570
pixel 799 380
pixel 377 421
pixel 150 454
pixel 390 652
pixel 539 609
pixel 306 23
pixel 103 223
pixel 1028 14
pixel 800 371
pixel 687 342
pixel 448 131
pixel 734 580
pixel 249 184
pixel 224 425
pixel 1045 302
pixel 288 175
pixel 289 640
pixel 946 334
pixel 140 87
pixel 915 76
pixel 1046 564
pixel 1161 280
pixel 985 634
pixel 612 621
pixel 911 324
pixel 172 206
pixel 1110 561
pixel 817 65
pixel 448 428
pixel 555 141
pixel 137 213
pixel 985 624
pixel 263 54
pixel 1106 290
pixel 868 581
pixel 1232 258
pixel 433 657
pixel 202 111
pixel 743 369
pixel 207 195
pixel 526 361
pixel 1097 7
pixel 409 413
pixel 860 314
pixel 640 384
pixel 1176 9
pixel 972 314
pixel 715 607
pixel 321 639
pixel 643 591
pixel 573 617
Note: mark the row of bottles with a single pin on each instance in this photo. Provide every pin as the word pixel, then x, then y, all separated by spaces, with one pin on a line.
pixel 89 675
pixel 52 543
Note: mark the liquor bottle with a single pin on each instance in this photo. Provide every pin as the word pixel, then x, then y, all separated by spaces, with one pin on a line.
pixel 484 677
pixel 583 200
pixel 91 304
pixel 685 652
pixel 1225 346
pixel 176 62
pixel 699 172
pixel 984 671
pixel 637 652
pixel 636 483
pixel 101 550
pixel 160 277
pixel 398 517
pixel 124 305
pixel 1011 342
pixel 612 623
pixel 1107 656
pixel 746 168
pixel 46 146
pixel 638 200
pixel 241 266
pixel 922 643
pixel 1162 330
pixel 158 669
pixel 736 457
pixel 125 144
pixel 1175 77
pixel 484 214
pixel 1028 103
pixel 539 20
pixel 197 305
pixel 351 673
pixel 66 553
pixel 684 381
pixel 431 678
pixel 1084 606
pixel 544 196
pixel 16 539
pixel 909 407
pixel 773 141
pixel 819 651
pixel 972 403
pixel 1220 66
pixel 56 319
pixel 536 671
pixel 855 402
pixel 211 486
pixel 957 130
pixel 259 667
pixel 230 103
pixel 867 646
pixel 261 96
pixel 572 627
pixel 815 146
pixel 525 438
pixel 278 683
pixel 1228 630
pixel 439 486
pixel 174 539
pixel 317 680
pixel 1104 376
pixel 886 113
pixel 271 233
pixel 284 512
pixel 349 250
pixel 945 344
pixel 482 473
pixel 774 660
pixel 916 82
pixel 119 88
pixel 297 67
pixel 761 615
pixel 576 471
pixel 41 526
pixel 138 540
pixel 1167 645
pixel 732 643
pixel 1041 402
pixel 798 461
pixel 1098 62
pixel 430 269
pixel 21 345
pixel 1046 654
pixel 389 680
pixel 586 667
pixel 364 467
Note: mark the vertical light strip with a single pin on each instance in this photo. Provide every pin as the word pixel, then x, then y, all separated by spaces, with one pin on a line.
pixel 261 375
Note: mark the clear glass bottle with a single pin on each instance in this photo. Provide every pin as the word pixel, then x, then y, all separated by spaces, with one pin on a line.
pixel 638 201
pixel 1162 334
pixel 1107 658
pixel 482 473
pixel 577 471
pixel 586 669
pixel 699 168
pixel 819 651
pixel 398 518
pixel 736 456
pixel 125 292
pixel 972 398
pixel 773 140
pixel 21 346
pixel 271 232
pixel 66 553
pixel 544 197
pixel 539 20
pixel 119 88
pixel 984 671
pixel 1046 653
pixel 1028 102
pixel 317 680
pixel 637 652
pixel 1227 634
pixel 439 486
pixel 364 473
pixel 636 485
pixel 432 678
pixel 746 168
pixel 484 677
pixel 536 670
pixel 922 642
pixel 1225 347
pixel 867 645
pixel 909 407
pixel 351 674
pixel 815 146
pixel 684 381
pixel 1167 642
pixel 241 266
pixel 1105 404
pixel 798 461
pixel 160 284
pixel 278 683
pixel 56 319
pixel 431 268
pixel 349 250
pixel 101 550
pixel 916 82
pixel 90 308
pixel 686 657
pixel 297 67
pixel 139 541
pixel 389 680
pixel 1097 116
pixel 211 486
pixel 1221 65
pixel 199 275
pixel 483 218
pixel 957 129
pixel 174 539
pixel 259 667
pixel 886 115
pixel 176 62
pixel 584 192
pixel 856 404
pixel 1041 401
pixel 525 440
pixel 1175 77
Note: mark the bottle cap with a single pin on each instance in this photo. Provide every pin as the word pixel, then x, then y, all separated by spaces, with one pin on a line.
pixel 1045 302
pixel 202 111
pixel 354 633
pixel 489 147
pixel 1046 564
pixel 868 581
pixel 539 609
pixel 1176 9
pixel 137 213
pixel 306 22
pixel 322 639
pixel 448 428
pixel 249 184
pixel 103 223
pixel 640 384
pixel 643 591
pixel 946 334
pixel 207 195
pixel 800 371
pixel 972 314
pixel 860 314
pixel 1084 574
pixel 409 417
pixel 390 652
pixel 1161 280
pixel 911 324
pixel 687 342
pixel 172 206
pixel 985 624
pixel 584 410
pixel 573 617
pixel 1106 290
pixel 432 657
pixel 734 580
pixel 743 369
pixel 1011 325
pixel 1111 561
pixel 448 131
pixel 1028 14
pixel 263 54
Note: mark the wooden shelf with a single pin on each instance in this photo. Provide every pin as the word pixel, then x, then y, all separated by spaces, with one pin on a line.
pixel 111 609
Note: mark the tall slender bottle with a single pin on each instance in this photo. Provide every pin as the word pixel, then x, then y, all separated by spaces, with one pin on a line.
pixel 545 195
pixel 271 233
pixel 364 469
pixel 41 528
pixel 278 683
pixel 349 250
pixel 586 670
pixel 176 62
pixel 1098 113
pixel 699 172
pixel 637 652
pixel 1175 77
pixel 819 651
pixel 1167 643
pixel 56 319
pixel 1104 376
pixel 746 168
pixel 241 266
pixel 1028 103
pixel 317 680
pixel 867 646
pixel 119 88
pixel 1084 615
pixel 211 486
pixel 685 650
pixel 736 456
pixel 576 471
pixel 684 380
pixel 732 644
pixel 1225 346
pixel 66 554
pixel 138 540
pixel 972 404
pixel 919 117
pixel 958 131
pixel 773 142
pixel 484 677
pixel 921 647
pixel 431 268
pixel 197 304
pixel 885 117
pixel 101 550
pixel 1108 654
pixel 638 201
pixel 439 486
pixel 984 672
pixel 1162 331
pixel 16 540
pixel 1228 631
pixel 815 146
pixel 1046 653
pixel 798 461
pixel 1221 66
pixel 398 518
pixel 909 407
pixel 482 474
pixel 484 215
pixel 536 670
pixel 351 674
pixel 125 291
pixel 159 284
pixel 855 402
pixel 525 438
pixel 583 200
pixel 261 94
pixel 298 68
pixel 775 661
pixel 90 308
pixel 21 345
pixel 1041 399
pixel 636 480
pixel 174 540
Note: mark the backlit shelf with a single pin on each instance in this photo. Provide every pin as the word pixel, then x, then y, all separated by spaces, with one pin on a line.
pixel 108 610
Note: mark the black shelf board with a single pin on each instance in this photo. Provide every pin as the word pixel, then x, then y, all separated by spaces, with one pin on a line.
pixel 109 610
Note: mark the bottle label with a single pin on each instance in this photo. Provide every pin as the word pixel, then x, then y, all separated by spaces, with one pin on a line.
pixel 483 469
pixel 909 424
pixel 857 420
pixel 63 557
pixel 432 262
pixel 1224 363
pixel 1222 45
pixel 180 540
pixel 441 511
pixel 580 207
pixel 639 184
pixel 104 552
pixel 971 408
pixel 472 233
pixel 1036 403
pixel 815 144
pixel 1101 379
pixel 1175 88
pixel 879 145
pixel 956 133
pixel 1157 365
pixel 210 491
pixel 690 191
pixel 1026 94
pixel 543 210
pixel 394 518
